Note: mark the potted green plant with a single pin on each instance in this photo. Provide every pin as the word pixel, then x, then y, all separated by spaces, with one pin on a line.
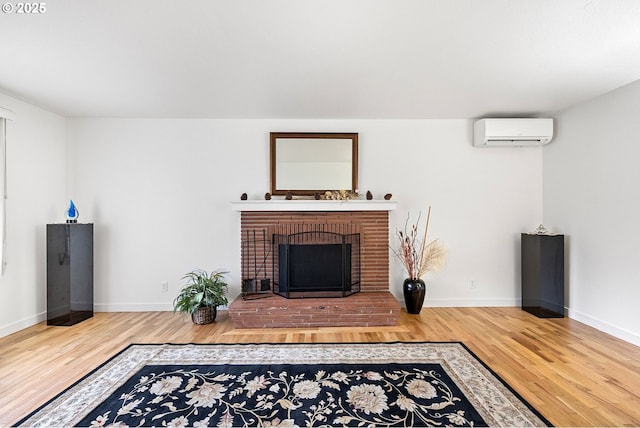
pixel 202 294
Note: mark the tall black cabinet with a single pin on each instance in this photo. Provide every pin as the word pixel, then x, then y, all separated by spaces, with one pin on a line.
pixel 543 275
pixel 69 273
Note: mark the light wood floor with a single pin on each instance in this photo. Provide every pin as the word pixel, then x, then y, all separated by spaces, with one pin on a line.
pixel 571 373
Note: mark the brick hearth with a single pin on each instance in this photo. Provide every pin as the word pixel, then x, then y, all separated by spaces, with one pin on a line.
pixel 373 306
pixel 361 309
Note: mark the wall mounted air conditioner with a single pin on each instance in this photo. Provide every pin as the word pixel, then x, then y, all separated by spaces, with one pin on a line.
pixel 512 132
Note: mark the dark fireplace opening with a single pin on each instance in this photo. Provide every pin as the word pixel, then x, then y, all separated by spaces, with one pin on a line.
pixel 323 267
pixel 316 264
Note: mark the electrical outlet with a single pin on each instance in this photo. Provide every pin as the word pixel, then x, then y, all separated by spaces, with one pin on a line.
pixel 472 284
pixel 164 287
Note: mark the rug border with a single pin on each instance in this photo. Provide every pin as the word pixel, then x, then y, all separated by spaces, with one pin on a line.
pixel 466 348
pixel 506 385
pixel 76 383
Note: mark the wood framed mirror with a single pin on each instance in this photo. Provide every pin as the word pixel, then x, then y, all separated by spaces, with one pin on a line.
pixel 305 163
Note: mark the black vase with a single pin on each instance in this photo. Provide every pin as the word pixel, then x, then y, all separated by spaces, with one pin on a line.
pixel 414 292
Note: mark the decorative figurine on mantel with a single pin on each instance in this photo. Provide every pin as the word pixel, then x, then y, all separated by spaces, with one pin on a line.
pixel 341 195
pixel 387 196
pixel 243 197
pixel 369 195
pixel 267 196
pixel 72 213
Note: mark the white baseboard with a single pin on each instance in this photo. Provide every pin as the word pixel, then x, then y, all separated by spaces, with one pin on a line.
pixel 137 307
pixel 620 333
pixel 466 303
pixel 6 330
pixel 132 307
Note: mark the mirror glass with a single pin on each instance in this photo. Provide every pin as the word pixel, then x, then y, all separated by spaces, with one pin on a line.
pixel 306 163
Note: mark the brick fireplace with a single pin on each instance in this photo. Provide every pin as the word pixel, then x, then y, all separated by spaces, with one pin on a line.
pixel 373 305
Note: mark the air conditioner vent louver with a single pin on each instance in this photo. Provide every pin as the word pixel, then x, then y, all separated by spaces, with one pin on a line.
pixel 516 132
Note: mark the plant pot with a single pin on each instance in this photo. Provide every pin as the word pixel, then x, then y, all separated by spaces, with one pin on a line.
pixel 414 291
pixel 204 315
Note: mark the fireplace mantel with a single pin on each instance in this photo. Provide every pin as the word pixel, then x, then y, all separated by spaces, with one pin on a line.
pixel 314 205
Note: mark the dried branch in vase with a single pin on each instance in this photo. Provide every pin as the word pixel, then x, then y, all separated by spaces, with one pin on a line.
pixel 417 255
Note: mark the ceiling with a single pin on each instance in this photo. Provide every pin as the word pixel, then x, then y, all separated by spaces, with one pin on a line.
pixel 318 58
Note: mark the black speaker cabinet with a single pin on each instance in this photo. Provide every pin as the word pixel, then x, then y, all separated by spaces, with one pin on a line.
pixel 69 273
pixel 543 275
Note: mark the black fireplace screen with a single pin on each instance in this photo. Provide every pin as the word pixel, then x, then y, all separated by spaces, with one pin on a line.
pixel 316 263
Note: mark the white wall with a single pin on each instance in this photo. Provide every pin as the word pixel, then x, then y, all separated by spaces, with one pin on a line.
pixel 159 193
pixel 591 194
pixel 35 196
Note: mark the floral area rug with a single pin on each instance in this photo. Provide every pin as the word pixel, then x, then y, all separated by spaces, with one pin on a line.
pixel 288 385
